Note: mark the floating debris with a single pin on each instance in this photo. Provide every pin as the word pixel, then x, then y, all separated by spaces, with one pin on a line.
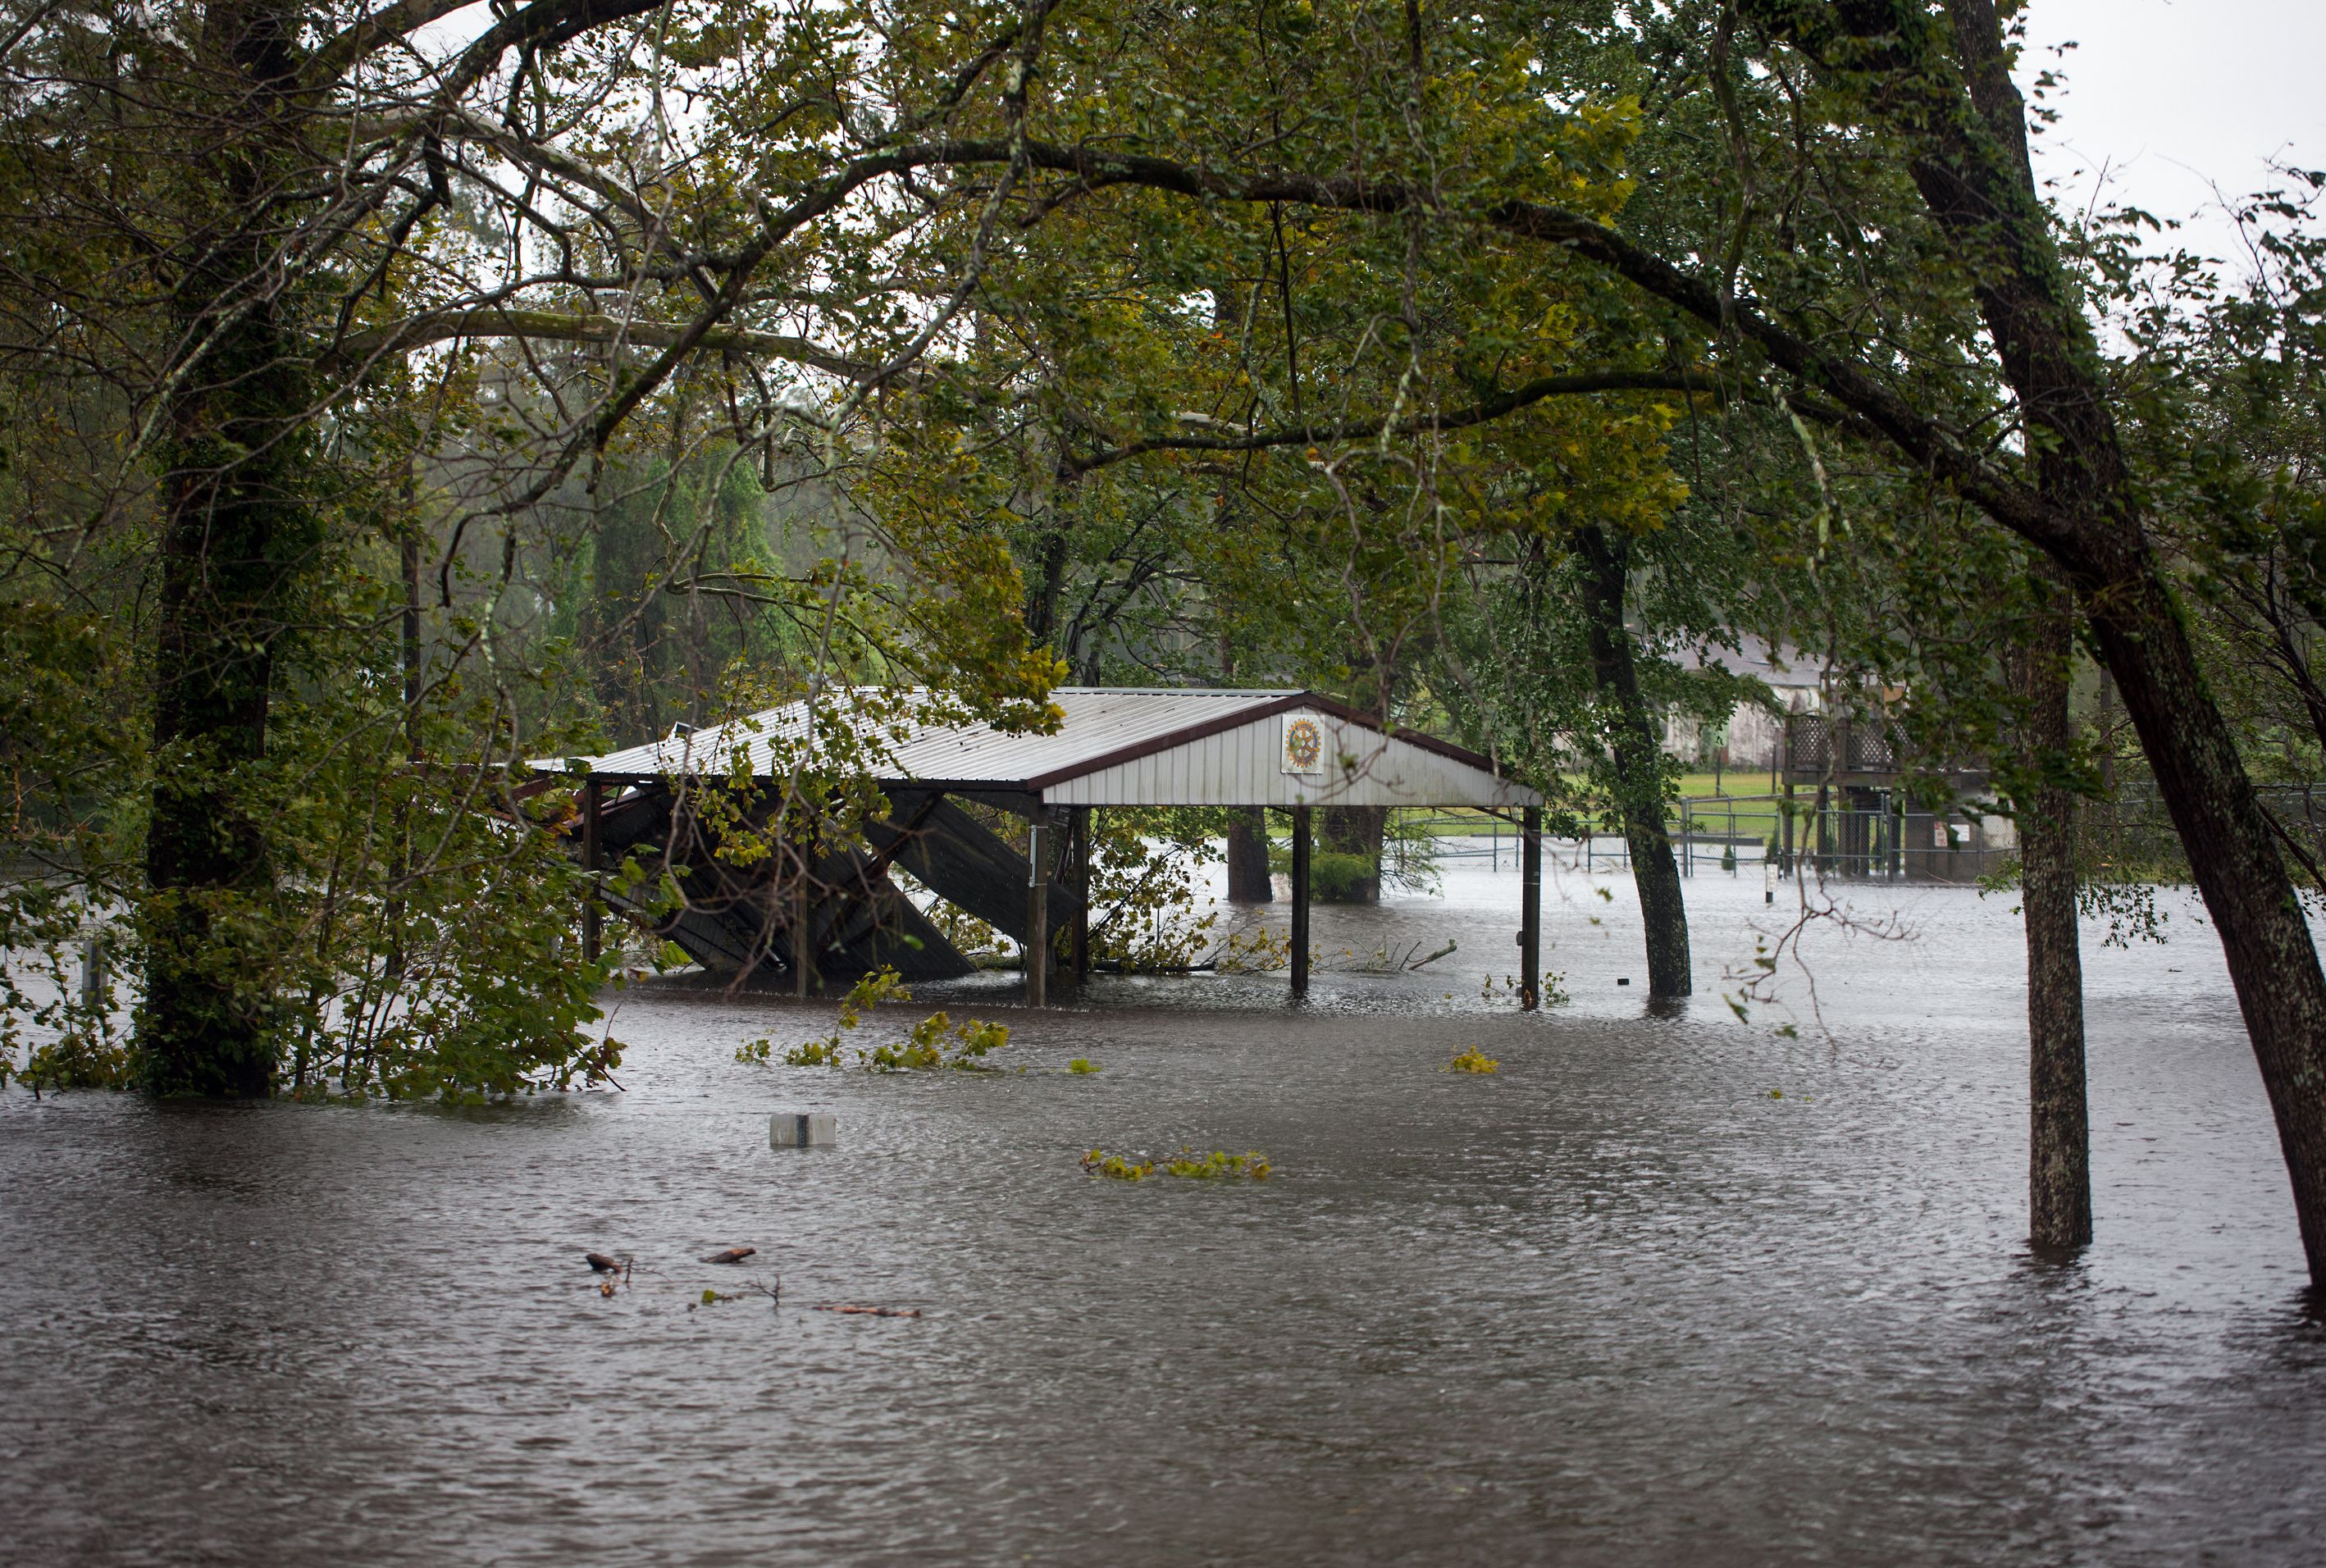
pixel 603 1263
pixel 732 1255
pixel 774 1293
pixel 803 1129
pixel 1186 1163
pixel 873 1312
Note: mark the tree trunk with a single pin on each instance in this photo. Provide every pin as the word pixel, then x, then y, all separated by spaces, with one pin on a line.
pixel 2058 1125
pixel 1358 831
pixel 1049 579
pixel 630 562
pixel 236 536
pixel 1248 881
pixel 1631 736
pixel 2234 856
pixel 1984 192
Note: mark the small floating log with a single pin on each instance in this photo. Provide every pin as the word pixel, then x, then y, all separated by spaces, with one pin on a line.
pixel 601 1263
pixel 732 1255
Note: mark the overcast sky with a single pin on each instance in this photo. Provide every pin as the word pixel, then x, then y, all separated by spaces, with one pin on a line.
pixel 2172 97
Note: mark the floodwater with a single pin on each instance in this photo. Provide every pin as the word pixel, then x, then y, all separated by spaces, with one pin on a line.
pixel 1615 1303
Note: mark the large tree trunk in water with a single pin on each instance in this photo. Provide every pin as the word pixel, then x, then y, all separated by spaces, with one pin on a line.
pixel 236 535
pixel 1984 193
pixel 1358 831
pixel 1248 881
pixel 2271 959
pixel 2059 1125
pixel 1631 736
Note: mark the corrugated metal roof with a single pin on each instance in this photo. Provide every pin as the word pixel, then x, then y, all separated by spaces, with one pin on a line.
pixel 1100 722
pixel 1102 728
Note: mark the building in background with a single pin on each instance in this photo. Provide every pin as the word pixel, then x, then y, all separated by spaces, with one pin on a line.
pixel 1754 736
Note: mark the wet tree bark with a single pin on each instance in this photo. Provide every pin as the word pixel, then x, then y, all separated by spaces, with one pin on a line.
pixel 1248 881
pixel 408 559
pixel 2058 1127
pixel 1631 736
pixel 629 563
pixel 1976 180
pixel 1358 831
pixel 236 536
pixel 1049 579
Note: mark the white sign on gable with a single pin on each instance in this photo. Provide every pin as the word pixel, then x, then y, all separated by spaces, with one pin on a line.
pixel 1304 744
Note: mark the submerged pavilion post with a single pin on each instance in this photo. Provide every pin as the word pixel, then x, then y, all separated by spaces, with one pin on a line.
pixel 1078 831
pixel 592 914
pixel 1300 901
pixel 803 945
pixel 1037 917
pixel 1531 908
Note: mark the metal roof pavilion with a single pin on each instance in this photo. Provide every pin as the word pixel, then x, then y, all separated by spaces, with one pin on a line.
pixel 1115 747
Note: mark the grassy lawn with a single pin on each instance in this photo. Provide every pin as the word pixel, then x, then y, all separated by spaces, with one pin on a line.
pixel 1753 817
pixel 1732 782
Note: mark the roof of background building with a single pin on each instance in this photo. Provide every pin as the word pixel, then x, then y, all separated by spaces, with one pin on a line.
pixel 1780 667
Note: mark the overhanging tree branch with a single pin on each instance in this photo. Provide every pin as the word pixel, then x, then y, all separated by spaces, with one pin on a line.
pixel 362 348
pixel 1493 408
pixel 1925 441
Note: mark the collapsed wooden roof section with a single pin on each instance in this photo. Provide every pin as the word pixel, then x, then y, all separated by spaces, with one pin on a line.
pixel 1116 747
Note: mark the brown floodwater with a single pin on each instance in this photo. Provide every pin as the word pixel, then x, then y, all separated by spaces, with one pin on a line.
pixel 1615 1303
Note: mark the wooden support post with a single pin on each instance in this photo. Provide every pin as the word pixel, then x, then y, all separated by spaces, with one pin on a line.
pixel 1531 909
pixel 94 988
pixel 1037 915
pixel 1080 848
pixel 592 912
pixel 1786 820
pixel 1300 901
pixel 803 978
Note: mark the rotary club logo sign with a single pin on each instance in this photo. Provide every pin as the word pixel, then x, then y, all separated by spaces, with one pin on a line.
pixel 1303 744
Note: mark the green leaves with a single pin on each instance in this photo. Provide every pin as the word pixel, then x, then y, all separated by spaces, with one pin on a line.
pixel 936 1042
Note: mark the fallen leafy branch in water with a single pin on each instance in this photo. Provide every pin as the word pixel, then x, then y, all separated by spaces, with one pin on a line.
pixel 1217 1163
pixel 872 1312
pixel 774 1293
pixel 1472 1059
pixel 1186 1163
pixel 1254 951
pixel 928 1047
pixel 935 1042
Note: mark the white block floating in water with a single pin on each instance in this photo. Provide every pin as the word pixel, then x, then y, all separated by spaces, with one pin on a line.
pixel 801 1129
